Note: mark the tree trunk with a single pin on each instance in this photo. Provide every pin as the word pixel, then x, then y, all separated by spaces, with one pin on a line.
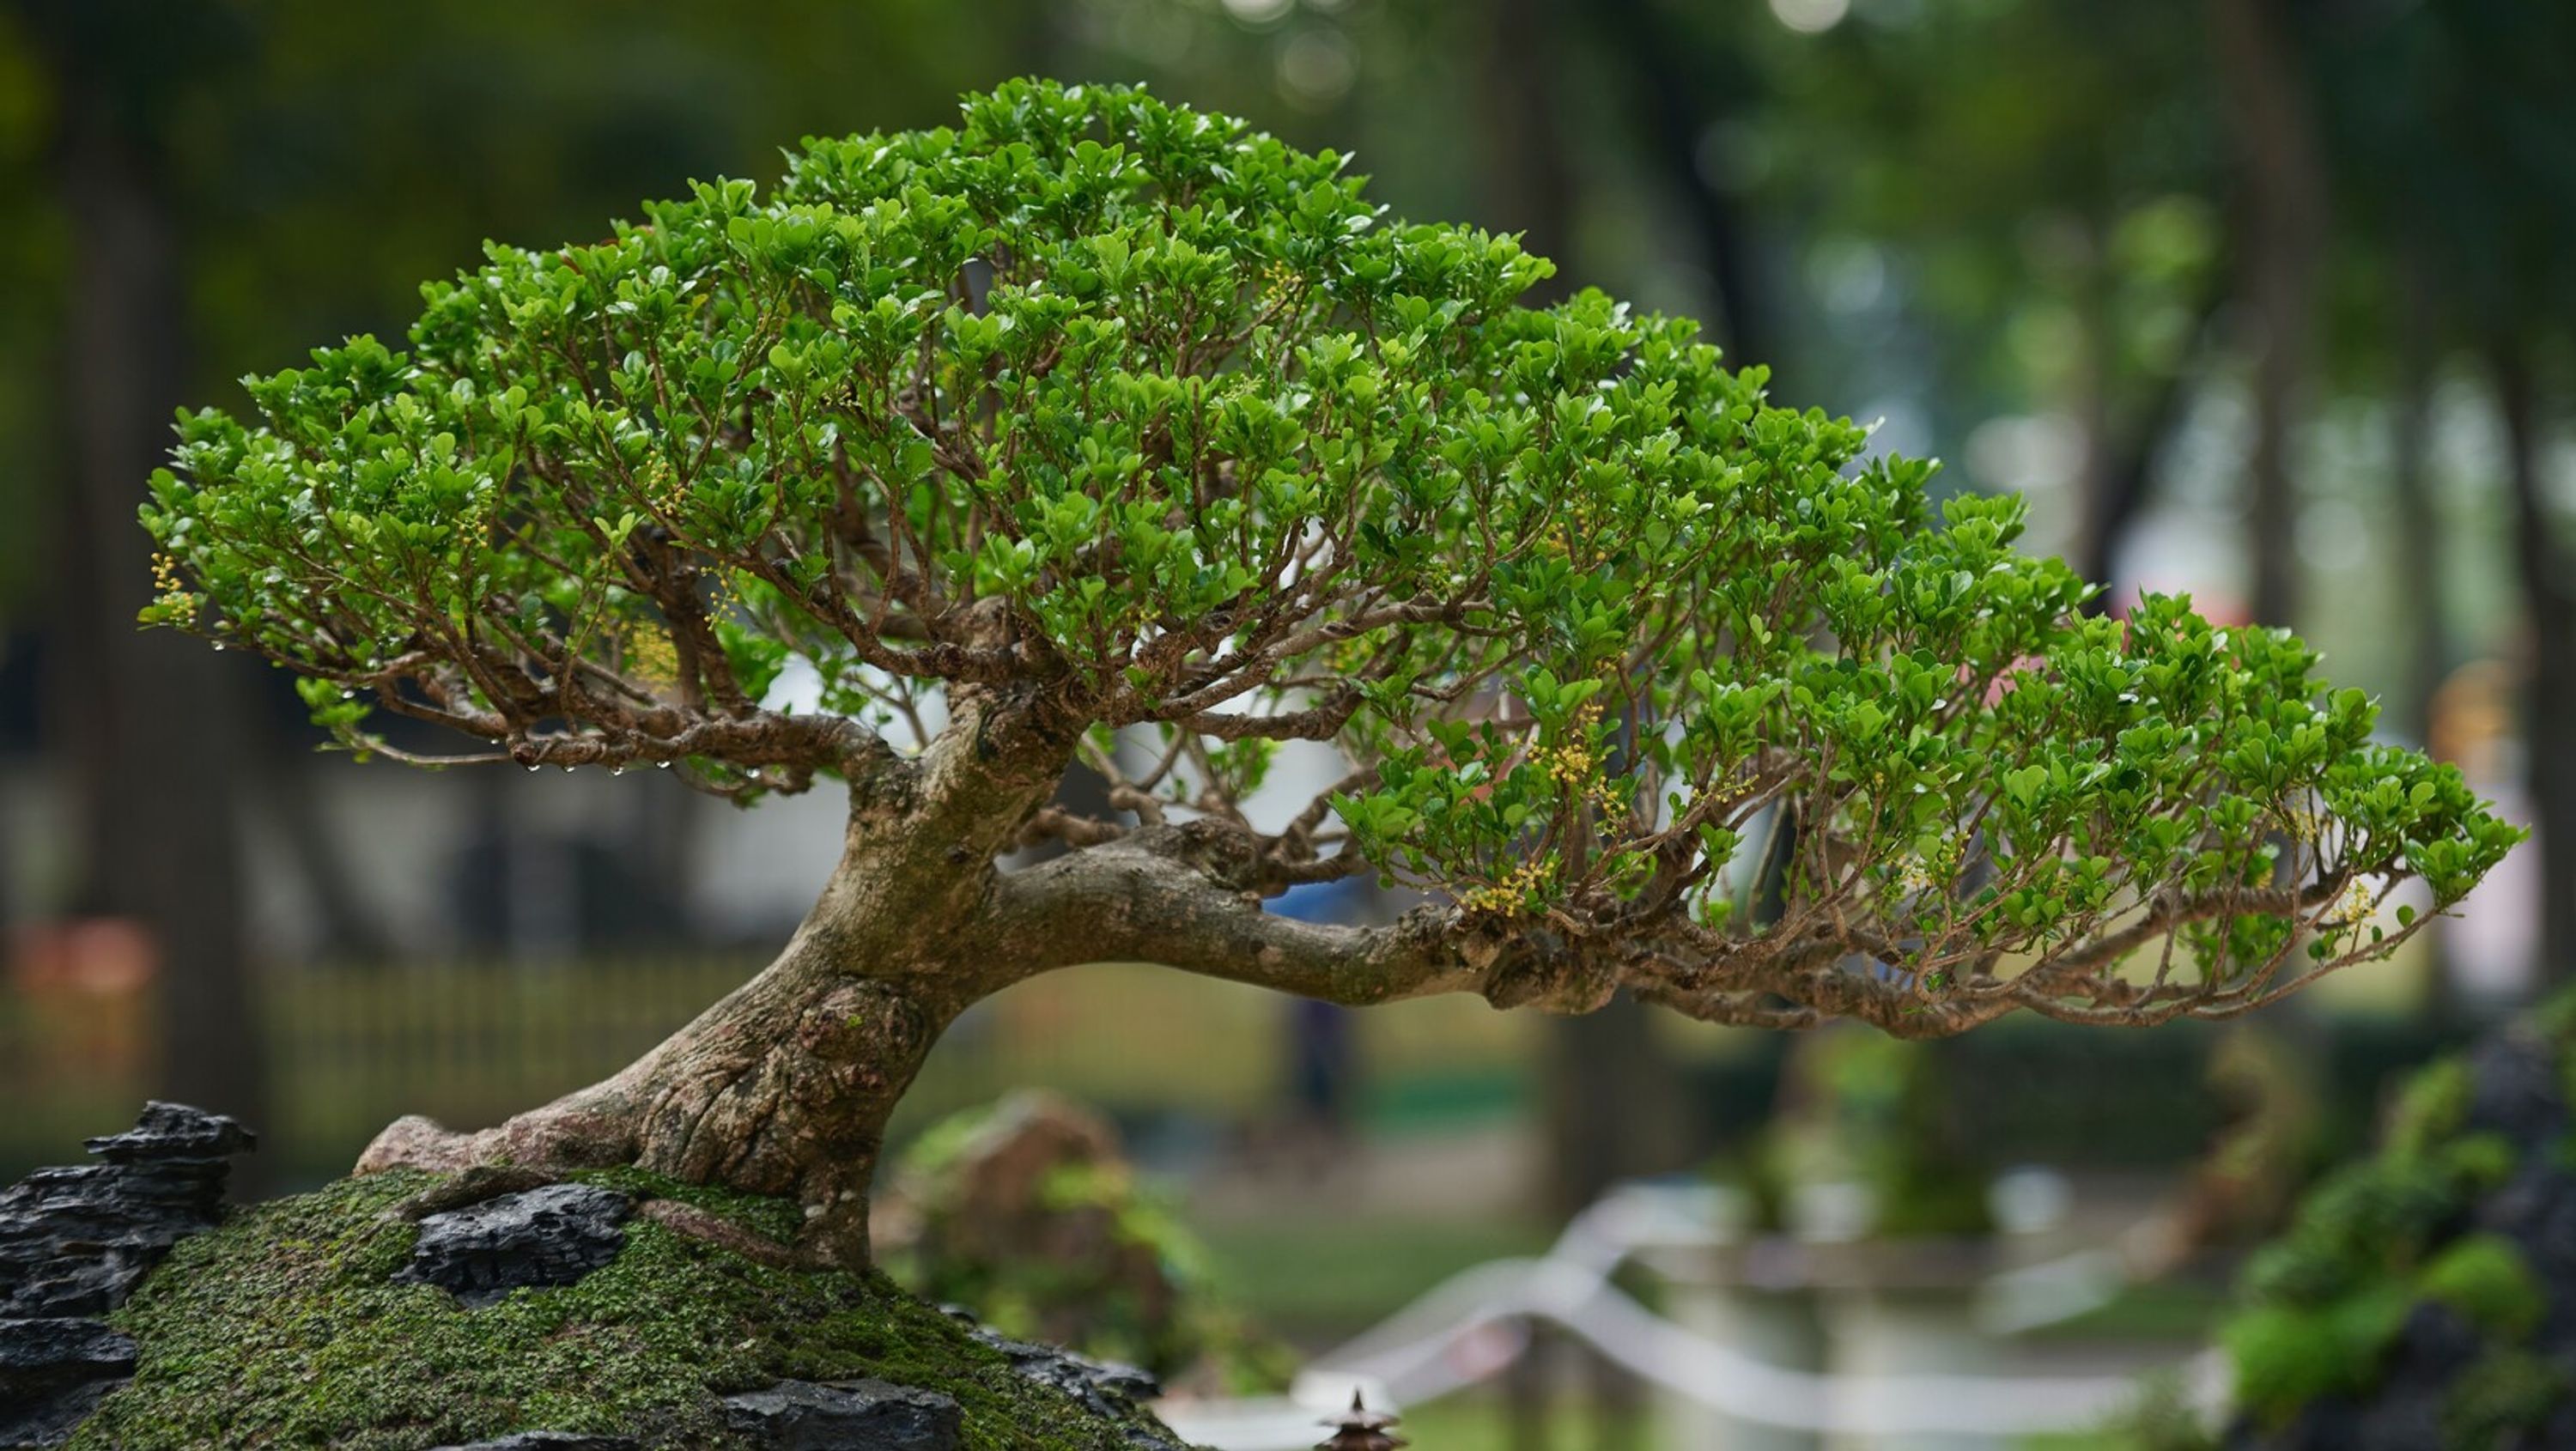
pixel 1526 172
pixel 2549 599
pixel 1684 91
pixel 2419 522
pixel 153 720
pixel 2282 207
pixel 2419 570
pixel 785 1086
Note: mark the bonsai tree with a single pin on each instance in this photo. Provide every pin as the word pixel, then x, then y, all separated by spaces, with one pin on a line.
pixel 1102 432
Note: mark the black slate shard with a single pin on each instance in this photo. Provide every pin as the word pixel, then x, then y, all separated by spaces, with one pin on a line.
pixel 1103 1387
pixel 551 1441
pixel 847 1415
pixel 75 1241
pixel 548 1236
pixel 1100 1385
pixel 53 1373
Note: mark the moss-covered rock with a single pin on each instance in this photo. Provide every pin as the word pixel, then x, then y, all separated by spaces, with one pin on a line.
pixel 286 1327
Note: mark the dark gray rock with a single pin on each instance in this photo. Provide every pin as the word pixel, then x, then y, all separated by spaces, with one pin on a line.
pixel 74 1242
pixel 548 1236
pixel 53 1373
pixel 2406 1412
pixel 36 1353
pixel 1104 1387
pixel 2514 1087
pixel 50 1420
pixel 175 1133
pixel 551 1441
pixel 850 1415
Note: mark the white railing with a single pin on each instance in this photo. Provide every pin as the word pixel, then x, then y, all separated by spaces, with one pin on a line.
pixel 1473 1325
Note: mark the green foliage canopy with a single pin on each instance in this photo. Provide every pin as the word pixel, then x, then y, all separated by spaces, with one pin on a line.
pixel 1117 404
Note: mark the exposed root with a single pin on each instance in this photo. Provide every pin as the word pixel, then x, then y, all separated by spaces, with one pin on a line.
pixel 475 1185
pixel 564 1135
pixel 717 1230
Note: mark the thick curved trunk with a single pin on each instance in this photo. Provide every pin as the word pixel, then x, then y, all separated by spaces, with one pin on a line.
pixel 783 1087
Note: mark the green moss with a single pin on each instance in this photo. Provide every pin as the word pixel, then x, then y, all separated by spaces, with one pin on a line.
pixel 2480 1161
pixel 2555 1016
pixel 2504 1394
pixel 2429 1107
pixel 2392 1231
pixel 2485 1278
pixel 282 1329
pixel 776 1219
pixel 2288 1355
pixel 2364 1223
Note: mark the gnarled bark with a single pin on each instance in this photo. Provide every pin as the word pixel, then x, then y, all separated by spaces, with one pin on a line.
pixel 785 1085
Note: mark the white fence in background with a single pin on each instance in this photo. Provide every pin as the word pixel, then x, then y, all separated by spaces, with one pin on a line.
pixel 1473 1325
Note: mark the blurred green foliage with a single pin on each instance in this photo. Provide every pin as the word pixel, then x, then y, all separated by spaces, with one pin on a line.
pixel 2322 1305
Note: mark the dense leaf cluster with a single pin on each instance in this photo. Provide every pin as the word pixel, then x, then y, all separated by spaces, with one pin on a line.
pixel 1123 404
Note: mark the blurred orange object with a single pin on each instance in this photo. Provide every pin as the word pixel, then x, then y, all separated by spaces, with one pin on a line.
pixel 108 956
pixel 81 989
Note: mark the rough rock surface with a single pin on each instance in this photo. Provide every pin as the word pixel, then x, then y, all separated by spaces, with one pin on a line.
pixel 850 1415
pixel 548 1236
pixel 1104 1387
pixel 74 1241
pixel 288 1316
pixel 550 1441
pixel 53 1373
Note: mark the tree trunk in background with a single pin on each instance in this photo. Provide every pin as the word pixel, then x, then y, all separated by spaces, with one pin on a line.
pixel 1606 1077
pixel 1683 93
pixel 2549 598
pixel 2281 218
pixel 2120 459
pixel 2419 567
pixel 1527 178
pixel 1610 1093
pixel 155 723
pixel 2419 524
pixel 352 931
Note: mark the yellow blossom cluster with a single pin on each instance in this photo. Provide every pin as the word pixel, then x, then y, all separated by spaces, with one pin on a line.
pixel 663 488
pixel 2353 905
pixel 652 658
pixel 1504 897
pixel 1915 878
pixel 1570 764
pixel 2304 824
pixel 1575 766
pixel 174 592
pixel 1277 280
